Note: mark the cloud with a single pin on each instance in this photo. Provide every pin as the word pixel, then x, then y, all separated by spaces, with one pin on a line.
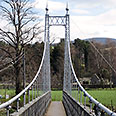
pixel 80 11
pixel 3 22
pixel 52 5
pixel 94 7
pixel 89 18
pixel 93 3
pixel 84 24
pixel 102 25
pixel 56 5
pixel 107 18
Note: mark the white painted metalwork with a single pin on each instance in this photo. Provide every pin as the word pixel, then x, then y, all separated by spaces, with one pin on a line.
pixel 60 21
pixel 41 82
pixel 69 74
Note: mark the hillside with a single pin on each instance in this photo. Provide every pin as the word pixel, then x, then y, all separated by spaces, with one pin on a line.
pixel 101 40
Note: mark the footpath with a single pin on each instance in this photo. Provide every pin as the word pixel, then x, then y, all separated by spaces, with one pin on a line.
pixel 56 109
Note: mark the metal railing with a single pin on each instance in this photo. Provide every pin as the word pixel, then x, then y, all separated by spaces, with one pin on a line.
pixel 38 86
pixel 80 94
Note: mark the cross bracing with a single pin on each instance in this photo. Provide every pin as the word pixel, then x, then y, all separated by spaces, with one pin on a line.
pixel 57 20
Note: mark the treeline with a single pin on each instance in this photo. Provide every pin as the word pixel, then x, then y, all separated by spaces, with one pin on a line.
pixel 86 60
pixel 33 55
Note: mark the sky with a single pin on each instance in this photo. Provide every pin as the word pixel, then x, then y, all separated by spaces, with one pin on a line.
pixel 88 18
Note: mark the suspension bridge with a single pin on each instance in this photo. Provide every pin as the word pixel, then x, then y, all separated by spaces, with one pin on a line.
pixel 37 95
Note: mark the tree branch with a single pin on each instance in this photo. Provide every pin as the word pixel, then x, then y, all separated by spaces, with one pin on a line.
pixel 6 34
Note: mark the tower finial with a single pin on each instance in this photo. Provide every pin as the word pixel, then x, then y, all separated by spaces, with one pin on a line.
pixel 67 9
pixel 47 7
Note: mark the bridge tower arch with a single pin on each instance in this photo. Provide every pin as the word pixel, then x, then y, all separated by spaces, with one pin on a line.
pixel 60 21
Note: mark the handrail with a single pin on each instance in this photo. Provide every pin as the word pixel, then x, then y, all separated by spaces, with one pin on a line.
pixel 23 91
pixel 108 111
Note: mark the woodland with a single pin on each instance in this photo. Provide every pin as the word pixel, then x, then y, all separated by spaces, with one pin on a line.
pixel 86 62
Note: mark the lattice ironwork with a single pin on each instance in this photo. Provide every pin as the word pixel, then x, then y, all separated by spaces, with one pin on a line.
pixel 61 21
pixel 73 91
pixel 57 20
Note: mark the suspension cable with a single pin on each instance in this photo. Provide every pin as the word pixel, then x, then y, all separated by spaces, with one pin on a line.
pixel 102 107
pixel 96 49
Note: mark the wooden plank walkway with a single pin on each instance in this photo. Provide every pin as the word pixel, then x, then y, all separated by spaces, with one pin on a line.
pixel 56 109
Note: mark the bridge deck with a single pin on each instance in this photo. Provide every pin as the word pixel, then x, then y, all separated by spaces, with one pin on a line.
pixel 56 109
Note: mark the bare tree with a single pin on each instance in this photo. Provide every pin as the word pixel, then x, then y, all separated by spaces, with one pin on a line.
pixel 23 29
pixel 111 57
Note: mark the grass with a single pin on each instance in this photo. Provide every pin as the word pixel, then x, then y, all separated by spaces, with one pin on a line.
pixel 56 95
pixel 10 92
pixel 105 96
